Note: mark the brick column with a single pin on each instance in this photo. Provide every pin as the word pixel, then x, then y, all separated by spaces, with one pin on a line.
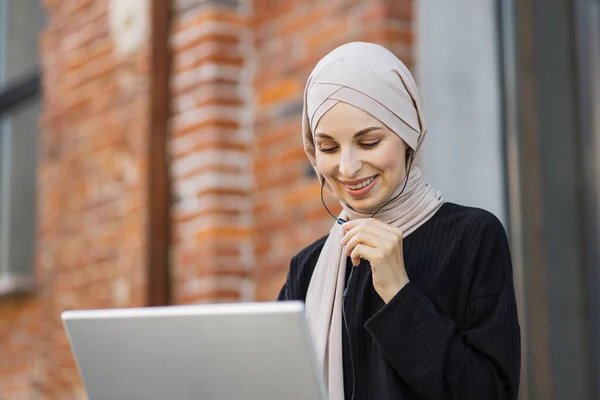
pixel 211 162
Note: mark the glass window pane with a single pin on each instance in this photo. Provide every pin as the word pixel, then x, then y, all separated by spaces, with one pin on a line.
pixel 18 174
pixel 23 21
pixel 3 34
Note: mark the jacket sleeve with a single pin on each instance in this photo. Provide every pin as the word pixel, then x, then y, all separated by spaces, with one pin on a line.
pixel 284 293
pixel 440 360
pixel 289 290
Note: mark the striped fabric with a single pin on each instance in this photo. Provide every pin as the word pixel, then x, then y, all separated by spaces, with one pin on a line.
pixel 451 333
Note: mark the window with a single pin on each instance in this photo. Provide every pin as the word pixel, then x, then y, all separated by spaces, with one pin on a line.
pixel 20 24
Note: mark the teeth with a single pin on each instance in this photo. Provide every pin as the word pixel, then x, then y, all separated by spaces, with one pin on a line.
pixel 362 184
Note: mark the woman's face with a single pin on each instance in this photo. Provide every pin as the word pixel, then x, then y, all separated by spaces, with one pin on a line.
pixel 361 159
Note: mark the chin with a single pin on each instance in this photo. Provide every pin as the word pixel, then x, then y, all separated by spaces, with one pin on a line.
pixel 363 205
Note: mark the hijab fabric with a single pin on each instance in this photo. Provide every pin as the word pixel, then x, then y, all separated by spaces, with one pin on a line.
pixel 369 77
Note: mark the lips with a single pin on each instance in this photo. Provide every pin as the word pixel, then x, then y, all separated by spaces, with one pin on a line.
pixel 360 185
pixel 360 188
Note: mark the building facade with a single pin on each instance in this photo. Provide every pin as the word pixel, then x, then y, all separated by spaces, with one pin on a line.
pixel 150 154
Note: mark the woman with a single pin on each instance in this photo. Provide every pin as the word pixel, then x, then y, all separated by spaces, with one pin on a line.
pixel 408 296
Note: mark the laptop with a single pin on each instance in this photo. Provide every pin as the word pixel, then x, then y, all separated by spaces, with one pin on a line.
pixel 247 351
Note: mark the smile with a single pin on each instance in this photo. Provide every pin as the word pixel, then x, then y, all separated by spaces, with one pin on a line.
pixel 358 189
pixel 362 184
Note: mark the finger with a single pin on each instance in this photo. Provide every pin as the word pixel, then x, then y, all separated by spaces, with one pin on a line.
pixel 366 238
pixel 354 232
pixel 377 224
pixel 375 230
pixel 354 222
pixel 364 252
pixel 370 223
pixel 349 234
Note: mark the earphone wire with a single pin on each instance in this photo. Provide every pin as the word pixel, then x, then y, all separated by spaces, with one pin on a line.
pixel 338 220
pixel 348 333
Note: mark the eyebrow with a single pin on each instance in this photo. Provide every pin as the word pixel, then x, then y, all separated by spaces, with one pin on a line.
pixel 356 135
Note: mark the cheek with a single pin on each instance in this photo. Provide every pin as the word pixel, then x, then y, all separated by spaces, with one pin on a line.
pixel 387 159
pixel 325 164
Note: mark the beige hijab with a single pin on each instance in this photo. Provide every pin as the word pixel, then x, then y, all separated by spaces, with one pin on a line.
pixel 371 78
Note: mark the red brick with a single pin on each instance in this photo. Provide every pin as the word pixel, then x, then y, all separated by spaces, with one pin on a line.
pixel 212 123
pixel 268 288
pixel 399 34
pixel 327 37
pixel 271 9
pixel 305 22
pixel 400 10
pixel 211 15
pixel 278 92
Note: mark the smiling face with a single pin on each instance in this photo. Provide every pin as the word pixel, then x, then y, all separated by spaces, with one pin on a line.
pixel 361 159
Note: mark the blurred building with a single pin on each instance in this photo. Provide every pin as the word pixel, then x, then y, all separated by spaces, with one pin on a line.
pixel 150 154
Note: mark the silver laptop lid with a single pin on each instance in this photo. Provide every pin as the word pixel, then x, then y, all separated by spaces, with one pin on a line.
pixel 211 352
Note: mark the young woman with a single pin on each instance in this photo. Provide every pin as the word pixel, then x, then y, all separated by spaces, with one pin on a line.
pixel 408 296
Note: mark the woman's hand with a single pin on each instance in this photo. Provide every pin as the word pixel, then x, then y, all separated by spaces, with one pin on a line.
pixel 381 245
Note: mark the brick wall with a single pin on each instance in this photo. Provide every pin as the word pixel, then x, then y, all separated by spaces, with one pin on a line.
pixel 91 216
pixel 244 197
pixel 20 322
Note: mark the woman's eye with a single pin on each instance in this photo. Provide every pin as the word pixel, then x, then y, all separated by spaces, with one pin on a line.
pixel 327 149
pixel 370 145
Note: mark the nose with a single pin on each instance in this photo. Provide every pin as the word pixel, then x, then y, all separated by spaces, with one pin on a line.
pixel 349 165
